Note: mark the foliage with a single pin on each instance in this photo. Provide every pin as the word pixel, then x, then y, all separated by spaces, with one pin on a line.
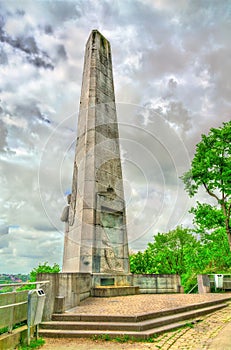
pixel 34 344
pixel 169 253
pixel 211 169
pixel 15 326
pixel 207 217
pixel 41 268
pixel 3 330
pixel 6 289
pixel 184 252
pixel 172 250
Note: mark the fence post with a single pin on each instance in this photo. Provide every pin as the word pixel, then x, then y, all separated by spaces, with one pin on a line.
pixel 10 327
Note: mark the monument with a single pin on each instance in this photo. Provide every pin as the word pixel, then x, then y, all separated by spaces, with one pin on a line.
pixel 95 258
pixel 96 236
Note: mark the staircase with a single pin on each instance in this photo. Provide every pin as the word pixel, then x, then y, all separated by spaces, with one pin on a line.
pixel 140 326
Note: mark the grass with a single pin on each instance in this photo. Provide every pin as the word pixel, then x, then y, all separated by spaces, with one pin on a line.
pixel 34 344
pixel 17 325
pixel 125 338
pixel 3 330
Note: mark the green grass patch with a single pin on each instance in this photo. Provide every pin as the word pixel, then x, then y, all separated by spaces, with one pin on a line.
pixel 154 338
pixel 3 330
pixel 34 344
pixel 125 338
pixel 15 326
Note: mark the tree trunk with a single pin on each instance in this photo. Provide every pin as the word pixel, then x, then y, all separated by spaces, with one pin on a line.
pixel 227 225
pixel 228 233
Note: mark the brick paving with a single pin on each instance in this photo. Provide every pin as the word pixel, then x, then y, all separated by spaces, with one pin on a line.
pixel 197 337
pixel 200 337
pixel 141 303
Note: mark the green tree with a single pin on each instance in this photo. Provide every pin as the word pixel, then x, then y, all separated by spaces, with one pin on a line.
pixel 211 169
pixel 43 268
pixel 214 252
pixel 184 252
pixel 174 252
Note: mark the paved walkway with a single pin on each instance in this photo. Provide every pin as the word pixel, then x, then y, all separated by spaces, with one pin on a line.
pixel 142 303
pixel 223 339
pixel 212 333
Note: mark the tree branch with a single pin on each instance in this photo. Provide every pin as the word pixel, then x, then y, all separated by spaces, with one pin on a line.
pixel 228 211
pixel 211 193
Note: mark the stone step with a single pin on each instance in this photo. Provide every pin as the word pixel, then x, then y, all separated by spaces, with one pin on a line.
pixel 141 317
pixel 132 329
pixel 130 326
pixel 54 333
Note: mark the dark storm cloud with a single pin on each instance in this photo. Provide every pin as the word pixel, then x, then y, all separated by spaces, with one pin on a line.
pixel 61 52
pixel 3 57
pixel 48 29
pixel 62 11
pixel 178 114
pixel 28 46
pixel 31 112
pixel 3 135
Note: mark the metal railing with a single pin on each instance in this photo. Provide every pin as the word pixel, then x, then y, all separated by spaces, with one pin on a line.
pixel 196 285
pixel 8 315
pixel 16 285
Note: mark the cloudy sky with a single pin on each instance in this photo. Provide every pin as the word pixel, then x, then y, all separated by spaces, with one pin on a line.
pixel 172 68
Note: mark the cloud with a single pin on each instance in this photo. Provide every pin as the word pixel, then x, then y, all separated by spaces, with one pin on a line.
pixel 28 47
pixel 3 57
pixel 171 73
pixel 3 136
pixel 61 52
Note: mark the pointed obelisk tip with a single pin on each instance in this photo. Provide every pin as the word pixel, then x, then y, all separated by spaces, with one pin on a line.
pixel 94 32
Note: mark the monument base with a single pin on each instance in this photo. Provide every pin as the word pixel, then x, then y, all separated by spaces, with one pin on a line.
pixel 111 285
pixel 110 280
pixel 114 291
pixel 67 290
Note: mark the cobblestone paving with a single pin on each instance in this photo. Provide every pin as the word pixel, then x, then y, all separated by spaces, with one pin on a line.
pixel 199 337
pixel 142 303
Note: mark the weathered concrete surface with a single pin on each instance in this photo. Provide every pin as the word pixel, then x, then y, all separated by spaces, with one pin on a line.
pixel 71 287
pixel 12 340
pixel 109 291
pixel 117 280
pixel 19 312
pixel 66 290
pixel 203 284
pixel 96 240
pixel 154 284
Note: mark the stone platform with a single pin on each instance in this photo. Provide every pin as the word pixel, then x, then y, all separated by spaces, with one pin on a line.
pixel 132 305
pixel 137 316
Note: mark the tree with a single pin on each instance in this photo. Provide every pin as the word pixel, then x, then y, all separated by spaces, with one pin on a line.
pixel 43 268
pixel 172 251
pixel 211 169
pixel 181 251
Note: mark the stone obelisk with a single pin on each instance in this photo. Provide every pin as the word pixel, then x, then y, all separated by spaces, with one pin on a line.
pixel 96 238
